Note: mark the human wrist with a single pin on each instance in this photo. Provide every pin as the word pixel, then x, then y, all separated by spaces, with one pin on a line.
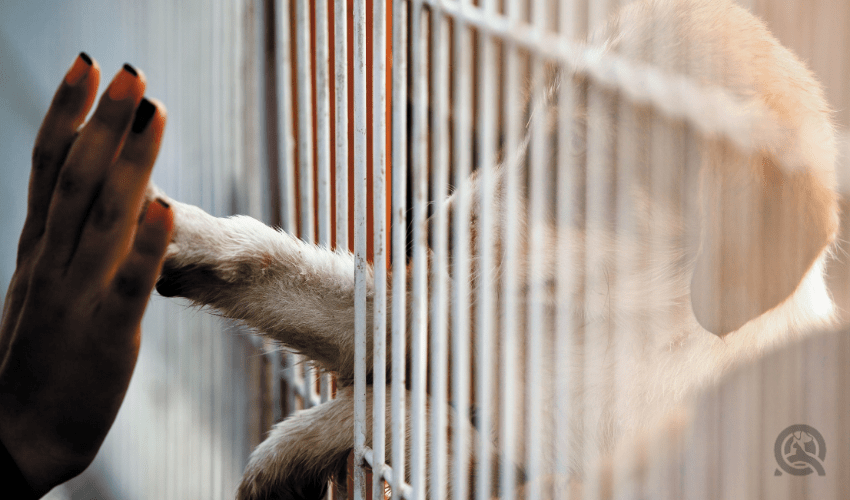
pixel 42 463
pixel 16 482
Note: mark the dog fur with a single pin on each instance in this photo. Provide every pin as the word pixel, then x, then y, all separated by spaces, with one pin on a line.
pixel 734 270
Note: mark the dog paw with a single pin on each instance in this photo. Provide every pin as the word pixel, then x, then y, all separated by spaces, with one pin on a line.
pixel 205 252
pixel 259 484
pixel 279 470
pixel 302 454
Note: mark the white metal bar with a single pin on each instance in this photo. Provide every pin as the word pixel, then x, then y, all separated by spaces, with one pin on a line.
pixel 419 285
pixel 323 146
pixel 290 375
pixel 341 120
pixel 323 125
pixel 361 265
pixel 386 472
pixel 286 151
pixel 485 343
pixel 565 270
pixel 305 146
pixel 512 264
pixel 536 321
pixel 460 253
pixel 440 243
pixel 379 218
pixel 305 118
pixel 399 230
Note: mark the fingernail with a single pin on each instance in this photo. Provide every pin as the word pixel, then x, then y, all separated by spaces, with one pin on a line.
pixel 144 114
pixel 159 213
pixel 80 68
pixel 123 83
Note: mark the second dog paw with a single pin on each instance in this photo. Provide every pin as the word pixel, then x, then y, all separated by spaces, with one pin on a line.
pixel 257 485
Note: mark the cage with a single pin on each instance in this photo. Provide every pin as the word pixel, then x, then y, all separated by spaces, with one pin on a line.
pixel 560 132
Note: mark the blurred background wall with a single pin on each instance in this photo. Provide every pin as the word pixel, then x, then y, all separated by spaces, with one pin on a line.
pixel 198 404
pixel 192 414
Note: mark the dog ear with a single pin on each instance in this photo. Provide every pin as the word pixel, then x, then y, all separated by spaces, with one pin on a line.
pixel 763 229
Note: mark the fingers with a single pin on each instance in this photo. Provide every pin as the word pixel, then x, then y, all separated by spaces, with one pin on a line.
pixel 71 104
pixel 111 219
pixel 90 158
pixel 133 282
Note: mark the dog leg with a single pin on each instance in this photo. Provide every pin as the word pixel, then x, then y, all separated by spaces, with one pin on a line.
pixel 310 448
pixel 299 294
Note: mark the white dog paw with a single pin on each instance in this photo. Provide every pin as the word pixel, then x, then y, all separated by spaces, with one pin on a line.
pixel 202 254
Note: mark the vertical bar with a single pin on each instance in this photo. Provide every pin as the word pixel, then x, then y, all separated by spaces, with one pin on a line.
pixel 485 344
pixel 511 264
pixel 629 141
pixel 536 325
pixel 305 152
pixel 460 286
pixel 286 151
pixel 564 265
pixel 419 308
pixel 379 162
pixel 596 301
pixel 341 112
pixel 323 126
pixel 361 266
pixel 399 215
pixel 207 413
pixel 341 119
pixel 440 243
pixel 305 118
pixel 323 147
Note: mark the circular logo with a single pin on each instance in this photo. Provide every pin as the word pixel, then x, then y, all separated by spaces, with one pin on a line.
pixel 800 450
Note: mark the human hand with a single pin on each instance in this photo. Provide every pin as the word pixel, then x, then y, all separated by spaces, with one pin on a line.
pixel 87 262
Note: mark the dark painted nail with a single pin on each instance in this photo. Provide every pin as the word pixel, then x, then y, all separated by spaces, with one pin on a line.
pixel 144 114
pixel 131 70
pixel 85 57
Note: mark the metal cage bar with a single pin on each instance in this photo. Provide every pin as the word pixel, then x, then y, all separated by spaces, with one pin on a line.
pixel 419 283
pixel 360 262
pixel 440 243
pixel 485 292
pixel 460 315
pixel 323 148
pixel 379 213
pixel 341 120
pixel 399 235
pixel 510 319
